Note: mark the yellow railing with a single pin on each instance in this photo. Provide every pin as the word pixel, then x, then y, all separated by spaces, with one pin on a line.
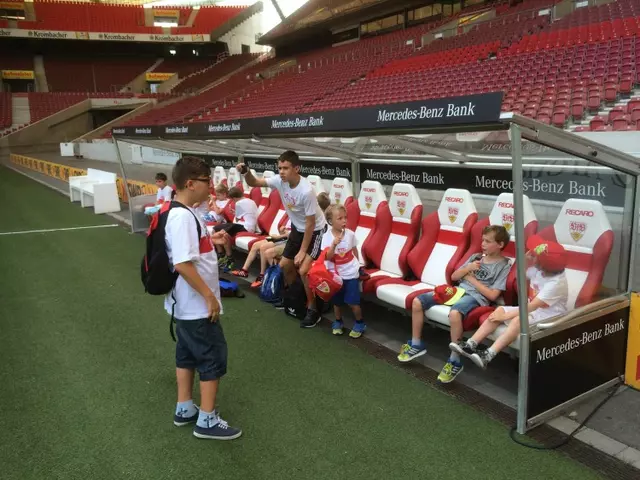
pixel 63 172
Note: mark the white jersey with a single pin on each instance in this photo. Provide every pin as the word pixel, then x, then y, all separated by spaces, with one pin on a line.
pixel 164 194
pixel 220 204
pixel 183 245
pixel 299 202
pixel 344 263
pixel 553 290
pixel 247 214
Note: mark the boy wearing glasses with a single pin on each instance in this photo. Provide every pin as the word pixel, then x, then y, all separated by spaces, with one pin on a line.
pixel 195 303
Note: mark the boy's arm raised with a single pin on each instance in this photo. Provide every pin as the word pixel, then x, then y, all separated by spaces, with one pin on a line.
pixel 251 180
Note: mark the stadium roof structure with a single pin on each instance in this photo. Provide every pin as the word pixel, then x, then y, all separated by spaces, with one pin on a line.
pixel 459 130
pixel 320 15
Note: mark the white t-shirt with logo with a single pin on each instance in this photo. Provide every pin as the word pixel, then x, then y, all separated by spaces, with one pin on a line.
pixel 220 204
pixel 164 194
pixel 552 290
pixel 247 214
pixel 183 245
pixel 299 202
pixel 344 263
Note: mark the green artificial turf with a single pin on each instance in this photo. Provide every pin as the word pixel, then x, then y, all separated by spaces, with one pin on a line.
pixel 87 379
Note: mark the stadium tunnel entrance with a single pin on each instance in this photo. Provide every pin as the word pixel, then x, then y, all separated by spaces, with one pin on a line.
pixel 447 168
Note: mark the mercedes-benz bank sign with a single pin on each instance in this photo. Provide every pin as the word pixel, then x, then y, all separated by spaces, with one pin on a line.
pixel 576 360
pixel 470 109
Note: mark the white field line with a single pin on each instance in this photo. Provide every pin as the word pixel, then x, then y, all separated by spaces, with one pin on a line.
pixel 24 232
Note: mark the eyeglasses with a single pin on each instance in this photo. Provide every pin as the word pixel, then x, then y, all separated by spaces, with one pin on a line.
pixel 206 180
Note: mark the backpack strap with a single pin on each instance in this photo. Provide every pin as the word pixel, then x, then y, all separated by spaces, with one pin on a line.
pixel 180 205
pixel 175 204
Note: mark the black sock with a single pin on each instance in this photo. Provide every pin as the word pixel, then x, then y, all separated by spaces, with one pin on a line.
pixel 319 304
pixel 360 321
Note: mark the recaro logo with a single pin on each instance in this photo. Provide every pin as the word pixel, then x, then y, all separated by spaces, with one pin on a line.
pixel 505 205
pixel 370 190
pixel 401 194
pixel 579 213
pixel 337 185
pixel 454 200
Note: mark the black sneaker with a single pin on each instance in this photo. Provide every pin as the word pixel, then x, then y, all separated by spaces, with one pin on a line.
pixel 311 319
pixel 181 421
pixel 217 429
pixel 278 305
pixel 481 359
pixel 461 347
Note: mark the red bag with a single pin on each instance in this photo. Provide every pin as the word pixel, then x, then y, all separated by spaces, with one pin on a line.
pixel 324 283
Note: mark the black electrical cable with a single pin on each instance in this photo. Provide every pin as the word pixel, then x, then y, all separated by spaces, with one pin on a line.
pixel 568 438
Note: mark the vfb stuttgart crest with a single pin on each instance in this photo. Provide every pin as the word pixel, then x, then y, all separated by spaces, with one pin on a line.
pixel 289 201
pixel 368 201
pixel 402 206
pixel 453 214
pixel 507 221
pixel 336 197
pixel 577 230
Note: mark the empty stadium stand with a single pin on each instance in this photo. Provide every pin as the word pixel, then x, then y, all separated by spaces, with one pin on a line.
pixel 214 72
pixel 92 74
pixel 208 18
pixel 120 18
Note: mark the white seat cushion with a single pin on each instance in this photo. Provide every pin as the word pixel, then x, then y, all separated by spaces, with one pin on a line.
pixel 243 242
pixel 396 294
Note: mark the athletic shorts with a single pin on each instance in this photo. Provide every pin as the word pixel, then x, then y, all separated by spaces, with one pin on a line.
pixel 201 346
pixel 231 228
pixel 349 294
pixel 294 242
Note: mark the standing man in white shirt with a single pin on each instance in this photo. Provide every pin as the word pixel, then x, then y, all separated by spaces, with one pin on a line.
pixel 308 223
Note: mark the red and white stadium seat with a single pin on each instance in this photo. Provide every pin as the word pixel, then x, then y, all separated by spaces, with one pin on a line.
pixel 370 208
pixel 317 184
pixel 502 213
pixel 583 229
pixel 268 222
pixel 219 176
pixel 234 179
pixel 264 193
pixel 445 238
pixel 391 255
pixel 341 192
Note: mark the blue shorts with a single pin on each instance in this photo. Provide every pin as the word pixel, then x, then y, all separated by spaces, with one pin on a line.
pixel 201 346
pixel 464 305
pixel 349 294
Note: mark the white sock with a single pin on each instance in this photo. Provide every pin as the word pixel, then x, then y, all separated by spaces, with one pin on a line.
pixel 472 343
pixel 207 419
pixel 491 353
pixel 454 357
pixel 186 409
pixel 415 341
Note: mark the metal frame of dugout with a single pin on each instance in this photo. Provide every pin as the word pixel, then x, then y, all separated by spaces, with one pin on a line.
pixel 456 135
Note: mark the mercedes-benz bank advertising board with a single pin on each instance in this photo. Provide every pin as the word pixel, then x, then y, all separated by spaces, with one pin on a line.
pixel 467 110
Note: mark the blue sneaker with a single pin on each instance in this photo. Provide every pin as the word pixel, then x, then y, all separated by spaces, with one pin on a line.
pixel 357 330
pixel 217 429
pixel 181 421
pixel 336 328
